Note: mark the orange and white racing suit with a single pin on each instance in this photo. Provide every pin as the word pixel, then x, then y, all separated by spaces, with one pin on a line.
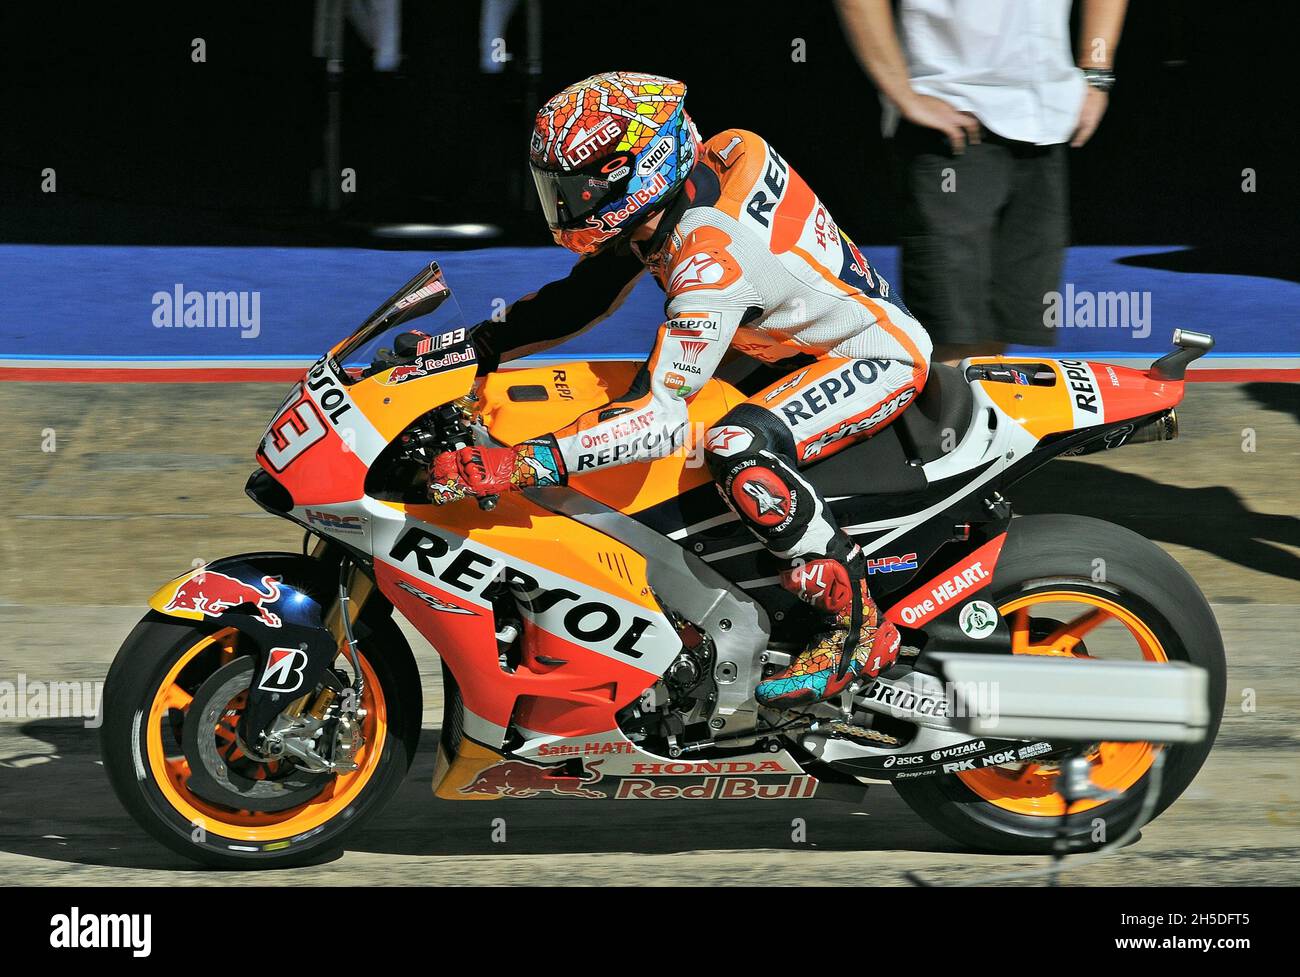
pixel 748 258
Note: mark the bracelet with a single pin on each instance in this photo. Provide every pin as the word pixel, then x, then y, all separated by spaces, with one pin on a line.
pixel 1102 79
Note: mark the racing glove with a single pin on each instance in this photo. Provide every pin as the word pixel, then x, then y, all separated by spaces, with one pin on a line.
pixel 482 470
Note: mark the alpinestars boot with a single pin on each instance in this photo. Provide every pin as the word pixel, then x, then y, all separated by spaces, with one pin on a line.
pixel 856 644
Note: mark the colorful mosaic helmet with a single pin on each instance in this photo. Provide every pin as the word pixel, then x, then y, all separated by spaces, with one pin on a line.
pixel 609 152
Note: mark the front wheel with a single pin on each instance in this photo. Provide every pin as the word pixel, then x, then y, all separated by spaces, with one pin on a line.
pixel 1078 587
pixel 172 703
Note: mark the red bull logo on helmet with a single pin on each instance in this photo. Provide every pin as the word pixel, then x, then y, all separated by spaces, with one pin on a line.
pixel 212 594
pixel 612 219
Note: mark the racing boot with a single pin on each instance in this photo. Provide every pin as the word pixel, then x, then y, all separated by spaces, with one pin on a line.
pixel 856 645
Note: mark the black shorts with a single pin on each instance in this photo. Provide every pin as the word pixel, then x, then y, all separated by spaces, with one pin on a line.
pixel 983 235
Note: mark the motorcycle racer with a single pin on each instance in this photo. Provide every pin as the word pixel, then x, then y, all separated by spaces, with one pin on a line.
pixel 748 258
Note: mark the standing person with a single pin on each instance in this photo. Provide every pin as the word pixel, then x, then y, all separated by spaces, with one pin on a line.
pixel 988 96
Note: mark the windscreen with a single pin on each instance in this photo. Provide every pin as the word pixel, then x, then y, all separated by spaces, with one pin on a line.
pixel 418 332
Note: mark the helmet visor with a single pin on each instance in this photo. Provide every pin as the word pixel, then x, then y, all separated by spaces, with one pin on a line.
pixel 568 199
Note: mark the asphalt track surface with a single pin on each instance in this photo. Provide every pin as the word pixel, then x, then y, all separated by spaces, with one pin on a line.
pixel 144 479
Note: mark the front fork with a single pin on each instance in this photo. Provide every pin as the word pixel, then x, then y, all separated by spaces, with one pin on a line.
pixel 294 730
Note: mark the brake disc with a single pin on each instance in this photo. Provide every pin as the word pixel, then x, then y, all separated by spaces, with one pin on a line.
pixel 245 782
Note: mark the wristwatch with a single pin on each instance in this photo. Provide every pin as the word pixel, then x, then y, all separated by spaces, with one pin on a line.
pixel 1102 79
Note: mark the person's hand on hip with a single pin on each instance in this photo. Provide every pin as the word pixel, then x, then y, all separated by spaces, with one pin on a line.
pixel 959 127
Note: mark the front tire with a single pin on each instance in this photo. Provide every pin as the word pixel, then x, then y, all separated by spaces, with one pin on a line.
pixel 148 736
pixel 1056 559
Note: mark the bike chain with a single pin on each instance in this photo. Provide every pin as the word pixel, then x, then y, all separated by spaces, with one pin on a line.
pixel 862 733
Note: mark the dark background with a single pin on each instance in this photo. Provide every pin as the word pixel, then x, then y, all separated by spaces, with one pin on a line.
pixel 151 148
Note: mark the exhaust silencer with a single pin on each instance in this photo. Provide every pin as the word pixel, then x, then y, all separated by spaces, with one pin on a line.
pixel 1162 427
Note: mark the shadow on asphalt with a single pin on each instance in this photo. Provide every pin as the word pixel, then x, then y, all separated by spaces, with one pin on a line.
pixel 1212 519
pixel 1281 397
pixel 59 805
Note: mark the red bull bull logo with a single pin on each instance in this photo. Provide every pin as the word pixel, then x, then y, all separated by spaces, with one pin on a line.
pixel 212 594
pixel 514 778
pixel 398 374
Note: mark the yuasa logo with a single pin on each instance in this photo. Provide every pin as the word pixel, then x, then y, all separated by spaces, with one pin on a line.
pixel 98 931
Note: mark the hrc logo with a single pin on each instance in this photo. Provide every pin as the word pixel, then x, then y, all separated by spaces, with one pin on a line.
pixel 891 564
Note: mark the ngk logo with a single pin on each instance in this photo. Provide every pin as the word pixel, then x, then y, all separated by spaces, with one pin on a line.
pixel 1008 756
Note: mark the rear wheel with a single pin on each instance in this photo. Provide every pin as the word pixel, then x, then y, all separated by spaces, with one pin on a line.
pixel 172 703
pixel 1077 587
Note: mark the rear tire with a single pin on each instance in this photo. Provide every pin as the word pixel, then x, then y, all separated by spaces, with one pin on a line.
pixel 1057 552
pixel 150 654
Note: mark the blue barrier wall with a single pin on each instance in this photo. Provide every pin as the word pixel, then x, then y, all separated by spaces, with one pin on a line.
pixel 88 302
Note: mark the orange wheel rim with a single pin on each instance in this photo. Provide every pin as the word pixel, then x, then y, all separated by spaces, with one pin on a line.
pixel 171 774
pixel 1030 788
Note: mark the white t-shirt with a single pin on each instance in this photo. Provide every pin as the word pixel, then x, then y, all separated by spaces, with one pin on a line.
pixel 1007 62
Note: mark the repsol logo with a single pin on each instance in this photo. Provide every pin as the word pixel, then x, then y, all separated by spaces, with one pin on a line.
pixel 829 390
pixel 651 444
pixel 768 196
pixel 562 388
pixel 1082 384
pixel 585 620
pixel 328 393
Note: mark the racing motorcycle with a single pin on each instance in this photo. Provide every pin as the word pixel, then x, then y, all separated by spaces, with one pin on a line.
pixel 602 640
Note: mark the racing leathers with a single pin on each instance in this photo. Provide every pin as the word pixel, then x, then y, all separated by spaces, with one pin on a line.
pixel 749 258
